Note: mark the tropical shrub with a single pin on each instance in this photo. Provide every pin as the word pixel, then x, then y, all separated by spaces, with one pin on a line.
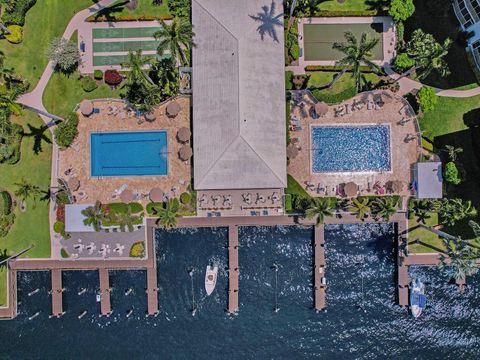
pixel 123 207
pixel 400 32
pixel 451 173
pixel 5 203
pixel 179 8
pixel 98 74
pixel 427 99
pixel 64 53
pixel 288 81
pixel 88 84
pixel 60 212
pixel 59 227
pixel 404 62
pixel 16 34
pixel 10 139
pixel 401 10
pixel 185 198
pixel 64 254
pixel 112 77
pixel 67 131
pixel 137 249
pixel 288 202
pixel 453 210
pixel 15 11
pixel 6 222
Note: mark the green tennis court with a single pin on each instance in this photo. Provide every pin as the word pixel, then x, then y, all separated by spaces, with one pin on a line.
pixel 131 32
pixel 120 46
pixel 319 38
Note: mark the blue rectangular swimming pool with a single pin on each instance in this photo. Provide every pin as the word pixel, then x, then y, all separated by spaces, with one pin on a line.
pixel 129 153
pixel 350 148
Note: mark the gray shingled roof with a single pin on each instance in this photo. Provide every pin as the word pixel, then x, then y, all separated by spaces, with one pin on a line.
pixel 238 96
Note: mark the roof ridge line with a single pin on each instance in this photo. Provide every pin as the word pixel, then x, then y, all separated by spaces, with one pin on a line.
pixel 216 20
pixel 258 155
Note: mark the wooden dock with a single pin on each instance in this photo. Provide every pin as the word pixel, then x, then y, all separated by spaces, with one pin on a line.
pixel 152 291
pixel 105 305
pixel 319 268
pixel 233 269
pixel 57 293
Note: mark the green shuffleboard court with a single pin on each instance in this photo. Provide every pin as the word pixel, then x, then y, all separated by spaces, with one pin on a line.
pixel 121 46
pixel 319 38
pixel 108 33
pixel 101 60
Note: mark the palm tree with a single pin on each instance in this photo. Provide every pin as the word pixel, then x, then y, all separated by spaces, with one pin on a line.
pixel 360 207
pixel 26 190
pixel 452 152
pixel 356 56
pixel 176 39
pixel 126 220
pixel 434 61
pixel 136 64
pixel 320 208
pixel 461 260
pixel 94 215
pixel 167 213
pixel 385 207
pixel 7 101
pixel 454 210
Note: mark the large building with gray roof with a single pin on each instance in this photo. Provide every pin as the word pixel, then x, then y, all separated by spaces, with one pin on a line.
pixel 239 133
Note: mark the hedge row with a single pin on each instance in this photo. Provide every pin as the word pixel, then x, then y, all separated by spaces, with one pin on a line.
pixel 123 207
pixel 334 68
pixel 350 13
pixel 17 145
pixel 103 18
pixel 329 98
pixel 5 203
pixel 15 12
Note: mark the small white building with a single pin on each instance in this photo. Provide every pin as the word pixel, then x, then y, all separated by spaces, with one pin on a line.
pixel 468 14
pixel 429 180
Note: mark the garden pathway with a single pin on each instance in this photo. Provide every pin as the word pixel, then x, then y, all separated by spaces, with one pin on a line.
pixel 34 101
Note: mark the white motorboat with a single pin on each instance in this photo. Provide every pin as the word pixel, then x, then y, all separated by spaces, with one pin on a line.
pixel 418 300
pixel 211 278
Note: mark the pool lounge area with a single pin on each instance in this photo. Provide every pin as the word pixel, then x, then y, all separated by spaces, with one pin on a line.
pixel 362 148
pixel 138 153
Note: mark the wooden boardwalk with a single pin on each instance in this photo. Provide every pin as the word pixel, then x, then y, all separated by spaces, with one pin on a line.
pixel 57 293
pixel 10 311
pixel 152 291
pixel 105 305
pixel 233 269
pixel 319 268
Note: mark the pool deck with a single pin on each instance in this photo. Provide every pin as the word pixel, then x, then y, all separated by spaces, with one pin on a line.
pixel 403 154
pixel 77 156
pixel 389 38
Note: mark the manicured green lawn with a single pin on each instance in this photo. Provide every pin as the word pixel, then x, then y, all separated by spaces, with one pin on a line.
pixel 32 226
pixel 294 188
pixel 421 240
pixel 44 21
pixel 63 92
pixel 349 5
pixel 145 7
pixel 320 79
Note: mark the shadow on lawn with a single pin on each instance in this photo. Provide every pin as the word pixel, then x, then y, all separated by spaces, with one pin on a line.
pixel 39 137
pixel 437 17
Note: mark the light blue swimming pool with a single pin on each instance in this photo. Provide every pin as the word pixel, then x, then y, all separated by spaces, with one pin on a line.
pixel 129 153
pixel 351 148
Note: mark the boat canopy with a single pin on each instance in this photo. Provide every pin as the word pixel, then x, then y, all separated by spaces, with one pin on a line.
pixel 422 301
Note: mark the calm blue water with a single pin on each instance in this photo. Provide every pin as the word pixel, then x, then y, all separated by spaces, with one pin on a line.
pixel 355 254
pixel 350 148
pixel 129 153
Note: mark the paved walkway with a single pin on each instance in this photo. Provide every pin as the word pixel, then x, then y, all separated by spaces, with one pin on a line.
pixel 33 101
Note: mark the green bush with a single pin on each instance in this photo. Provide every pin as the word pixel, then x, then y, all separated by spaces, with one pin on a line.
pixel 6 221
pixel 66 131
pixel 98 74
pixel 15 11
pixel 427 145
pixel 334 68
pixel 401 10
pixel 137 249
pixel 400 32
pixel 62 198
pixel 150 207
pixel 289 80
pixel 64 254
pixel 295 51
pixel 334 98
pixel 451 174
pixel 88 84
pixel 179 8
pixel 16 34
pixel 403 61
pixel 123 207
pixel 343 13
pixel 427 99
pixel 288 202
pixel 5 203
pixel 185 198
pixel 10 146
pixel 59 227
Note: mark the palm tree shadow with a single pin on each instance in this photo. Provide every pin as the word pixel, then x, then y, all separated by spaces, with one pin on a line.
pixel 3 256
pixel 109 12
pixel 269 21
pixel 39 136
pixel 379 5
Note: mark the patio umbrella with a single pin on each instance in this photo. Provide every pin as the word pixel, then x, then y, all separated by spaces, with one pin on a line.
pixel 126 196
pixel 292 151
pixel 350 189
pixel 173 109
pixel 183 135
pixel 185 152
pixel 156 195
pixel 321 108
pixel 73 184
pixel 150 116
pixel 86 107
